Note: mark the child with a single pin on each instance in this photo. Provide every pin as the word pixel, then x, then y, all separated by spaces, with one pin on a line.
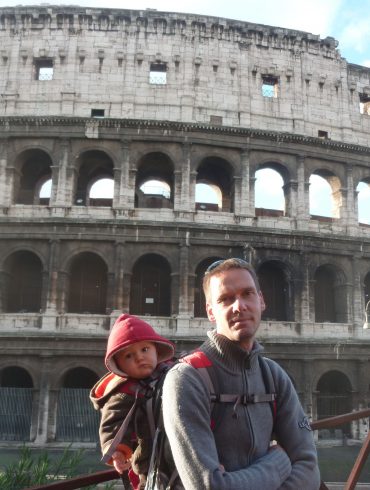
pixel 134 356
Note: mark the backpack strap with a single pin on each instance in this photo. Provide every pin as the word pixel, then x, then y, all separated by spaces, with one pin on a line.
pixel 200 361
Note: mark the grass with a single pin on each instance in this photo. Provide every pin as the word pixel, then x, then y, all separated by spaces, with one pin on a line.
pixel 335 462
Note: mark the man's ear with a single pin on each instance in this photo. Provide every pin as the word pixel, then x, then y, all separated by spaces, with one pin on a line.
pixel 210 314
pixel 262 301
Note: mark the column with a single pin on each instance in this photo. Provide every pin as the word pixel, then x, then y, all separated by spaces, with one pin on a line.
pixel 291 193
pixel 184 277
pixel 124 180
pixel 187 200
pixel 246 199
pixel 357 295
pixel 52 294
pixel 303 197
pixel 306 289
pixel 4 181
pixel 43 401
pixel 63 177
pixel 307 389
pixel 177 190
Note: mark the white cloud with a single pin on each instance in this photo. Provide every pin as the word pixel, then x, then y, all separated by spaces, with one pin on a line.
pixel 356 34
pixel 366 63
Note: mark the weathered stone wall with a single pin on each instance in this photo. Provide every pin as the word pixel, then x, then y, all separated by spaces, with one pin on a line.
pixel 101 60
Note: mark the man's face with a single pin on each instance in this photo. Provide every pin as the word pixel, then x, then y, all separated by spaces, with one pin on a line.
pixel 235 305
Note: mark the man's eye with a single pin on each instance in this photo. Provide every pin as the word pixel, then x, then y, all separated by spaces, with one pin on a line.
pixel 127 356
pixel 145 349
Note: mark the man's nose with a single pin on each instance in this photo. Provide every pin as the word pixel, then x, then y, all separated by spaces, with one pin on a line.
pixel 239 304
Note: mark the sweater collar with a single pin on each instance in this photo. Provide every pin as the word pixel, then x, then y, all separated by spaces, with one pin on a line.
pixel 230 353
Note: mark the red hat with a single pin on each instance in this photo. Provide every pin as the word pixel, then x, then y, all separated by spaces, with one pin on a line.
pixel 129 329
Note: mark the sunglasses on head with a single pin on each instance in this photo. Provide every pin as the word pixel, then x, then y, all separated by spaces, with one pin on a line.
pixel 215 264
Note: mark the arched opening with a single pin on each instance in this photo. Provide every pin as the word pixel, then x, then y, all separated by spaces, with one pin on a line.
pixel 76 418
pixel 325 195
pixel 325 310
pixel 16 389
pixel 101 193
pixel 269 193
pixel 218 174
pixel 333 398
pixel 45 192
pixel 23 284
pixel 88 284
pixel 94 166
pixel 151 286
pixel 208 197
pixel 367 287
pixel 363 200
pixel 154 182
pixel 154 194
pixel 275 290
pixel 34 169
pixel 199 298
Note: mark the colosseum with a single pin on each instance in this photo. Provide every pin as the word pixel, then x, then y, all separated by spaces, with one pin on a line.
pixel 151 106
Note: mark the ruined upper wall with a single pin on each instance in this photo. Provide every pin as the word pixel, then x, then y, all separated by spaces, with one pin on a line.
pixel 215 69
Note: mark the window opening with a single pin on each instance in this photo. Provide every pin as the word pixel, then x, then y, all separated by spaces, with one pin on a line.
pixel 44 69
pixel 270 86
pixel 365 104
pixel 208 197
pixel 363 200
pixel 101 193
pixel 45 192
pixel 322 134
pixel 321 200
pixel 156 188
pixel 158 74
pixel 97 113
pixel 269 192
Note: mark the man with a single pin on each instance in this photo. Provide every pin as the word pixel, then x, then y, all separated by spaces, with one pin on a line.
pixel 236 454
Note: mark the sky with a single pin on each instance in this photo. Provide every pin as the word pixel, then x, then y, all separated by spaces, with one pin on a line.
pixel 348 21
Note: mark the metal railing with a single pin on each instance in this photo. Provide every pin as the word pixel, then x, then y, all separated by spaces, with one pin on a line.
pixel 109 475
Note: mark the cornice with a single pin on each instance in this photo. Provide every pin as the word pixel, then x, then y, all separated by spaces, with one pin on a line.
pixel 142 124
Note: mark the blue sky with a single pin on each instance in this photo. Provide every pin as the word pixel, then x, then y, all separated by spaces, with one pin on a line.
pixel 348 21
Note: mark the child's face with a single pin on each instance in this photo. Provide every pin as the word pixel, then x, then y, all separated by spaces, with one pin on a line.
pixel 138 360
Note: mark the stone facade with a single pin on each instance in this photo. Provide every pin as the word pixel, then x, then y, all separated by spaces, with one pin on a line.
pixel 132 96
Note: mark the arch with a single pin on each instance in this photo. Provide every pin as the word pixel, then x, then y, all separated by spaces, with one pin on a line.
pixel 101 191
pixel 34 169
pixel 16 390
pixel 208 197
pixel 199 298
pixel 43 190
pixel 276 291
pixel 79 377
pixel 329 294
pixel 325 194
pixel 154 166
pixel 333 398
pixel 15 377
pixel 88 281
pixel 93 165
pixel 150 292
pixel 23 282
pixel 219 174
pixel 269 190
pixel 367 287
pixel 76 418
pixel 363 201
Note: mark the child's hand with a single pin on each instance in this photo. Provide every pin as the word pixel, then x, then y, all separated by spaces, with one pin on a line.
pixel 120 462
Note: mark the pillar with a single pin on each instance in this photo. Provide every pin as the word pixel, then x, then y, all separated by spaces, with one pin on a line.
pixel 184 278
pixel 303 197
pixel 63 177
pixel 44 401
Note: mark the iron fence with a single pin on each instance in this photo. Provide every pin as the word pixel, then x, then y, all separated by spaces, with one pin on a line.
pixel 15 413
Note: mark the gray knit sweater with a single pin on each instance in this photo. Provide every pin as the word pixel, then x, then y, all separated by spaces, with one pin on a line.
pixel 240 440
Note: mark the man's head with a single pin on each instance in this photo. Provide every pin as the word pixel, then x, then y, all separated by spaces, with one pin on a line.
pixel 234 300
